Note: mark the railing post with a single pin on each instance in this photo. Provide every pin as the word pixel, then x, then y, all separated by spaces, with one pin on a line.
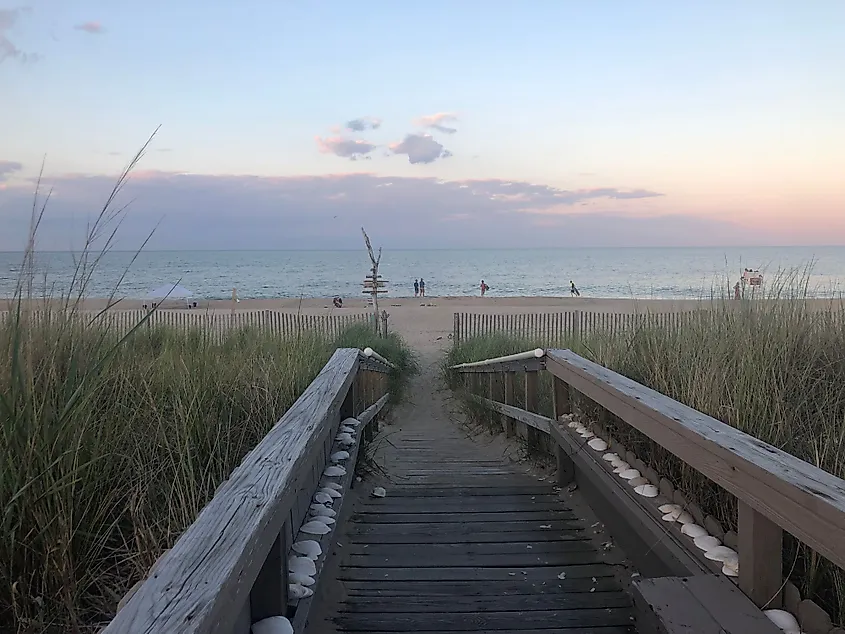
pixel 497 393
pixel 269 594
pixel 510 380
pixel 562 405
pixel 760 546
pixel 531 385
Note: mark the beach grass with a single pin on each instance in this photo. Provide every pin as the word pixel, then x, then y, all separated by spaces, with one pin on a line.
pixel 772 367
pixel 111 443
pixel 110 448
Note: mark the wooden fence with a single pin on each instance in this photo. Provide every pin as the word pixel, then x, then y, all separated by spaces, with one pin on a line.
pixel 229 569
pixel 591 408
pixel 557 328
pixel 216 323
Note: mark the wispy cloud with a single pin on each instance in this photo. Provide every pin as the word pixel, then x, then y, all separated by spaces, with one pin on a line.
pixel 353 149
pixel 436 121
pixel 8 168
pixel 363 123
pixel 8 49
pixel 327 212
pixel 93 27
pixel 420 148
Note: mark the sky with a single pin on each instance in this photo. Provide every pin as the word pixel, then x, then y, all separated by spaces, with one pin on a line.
pixel 438 124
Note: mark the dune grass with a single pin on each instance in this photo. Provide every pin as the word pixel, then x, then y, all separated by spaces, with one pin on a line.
pixel 773 368
pixel 110 448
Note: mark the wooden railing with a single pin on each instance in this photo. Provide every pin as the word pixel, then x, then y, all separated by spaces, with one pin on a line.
pixel 556 328
pixel 217 324
pixel 229 569
pixel 775 491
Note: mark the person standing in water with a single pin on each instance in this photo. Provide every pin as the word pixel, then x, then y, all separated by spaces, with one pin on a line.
pixel 416 288
pixel 572 290
pixel 484 288
pixel 422 287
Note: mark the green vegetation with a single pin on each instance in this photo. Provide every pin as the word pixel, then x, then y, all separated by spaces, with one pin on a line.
pixel 774 369
pixel 110 448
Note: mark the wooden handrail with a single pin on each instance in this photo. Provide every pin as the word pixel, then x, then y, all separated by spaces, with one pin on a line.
pixel 204 582
pixel 538 353
pixel 775 491
pixel 804 500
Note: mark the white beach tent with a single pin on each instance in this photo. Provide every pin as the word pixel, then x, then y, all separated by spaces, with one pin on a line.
pixel 170 292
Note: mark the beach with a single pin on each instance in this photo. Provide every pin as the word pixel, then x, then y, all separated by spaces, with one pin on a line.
pixel 427 322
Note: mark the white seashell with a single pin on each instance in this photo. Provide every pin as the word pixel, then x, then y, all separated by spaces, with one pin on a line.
pixel 647 490
pixel 619 467
pixel 298 591
pixel 721 553
pixel 351 422
pixel 579 428
pixel 668 508
pixel 730 568
pixel 323 498
pixel 301 579
pixel 693 530
pixel 629 474
pixel 337 456
pixel 315 528
pixel 587 434
pixel 320 510
pixel 328 521
pixel 574 424
pixel 343 436
pixel 784 620
pixel 637 482
pixel 685 518
pixel 302 566
pixel 706 542
pixel 307 548
pixel 597 444
pixel 346 429
pixel 334 485
pixel 334 471
pixel 272 625
pixel 610 457
pixel 347 442
pixel 332 493
pixel 379 492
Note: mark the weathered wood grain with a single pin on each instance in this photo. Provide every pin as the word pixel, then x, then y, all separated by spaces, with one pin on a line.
pixel 528 365
pixel 502 603
pixel 202 582
pixel 537 421
pixel 802 499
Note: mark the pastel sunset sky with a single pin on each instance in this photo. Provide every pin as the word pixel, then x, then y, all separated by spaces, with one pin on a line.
pixel 433 124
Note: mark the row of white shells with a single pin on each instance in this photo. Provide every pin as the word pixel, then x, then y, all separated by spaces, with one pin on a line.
pixel 302 566
pixel 713 549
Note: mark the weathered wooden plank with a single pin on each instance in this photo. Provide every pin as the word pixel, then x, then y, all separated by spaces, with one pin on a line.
pixel 537 421
pixel 760 557
pixel 435 506
pixel 445 548
pixel 484 621
pixel 206 577
pixel 734 612
pixel 529 501
pixel 511 586
pixel 536 517
pixel 510 603
pixel 555 630
pixel 467 537
pixel 498 573
pixel 529 365
pixel 460 492
pixel 441 560
pixel 804 500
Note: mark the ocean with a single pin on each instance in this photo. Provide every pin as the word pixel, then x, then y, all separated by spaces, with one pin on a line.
pixel 665 273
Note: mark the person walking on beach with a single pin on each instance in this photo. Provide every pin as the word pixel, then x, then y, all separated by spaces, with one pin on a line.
pixel 422 287
pixel 572 290
pixel 416 288
pixel 484 288
pixel 736 291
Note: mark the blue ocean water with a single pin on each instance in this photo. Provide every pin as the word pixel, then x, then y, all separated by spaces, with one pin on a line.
pixel 671 273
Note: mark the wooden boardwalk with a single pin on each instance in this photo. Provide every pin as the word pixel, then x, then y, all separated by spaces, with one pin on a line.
pixel 467 541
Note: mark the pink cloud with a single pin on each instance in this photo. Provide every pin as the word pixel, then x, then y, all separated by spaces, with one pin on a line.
pixel 346 148
pixel 436 121
pixel 92 27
